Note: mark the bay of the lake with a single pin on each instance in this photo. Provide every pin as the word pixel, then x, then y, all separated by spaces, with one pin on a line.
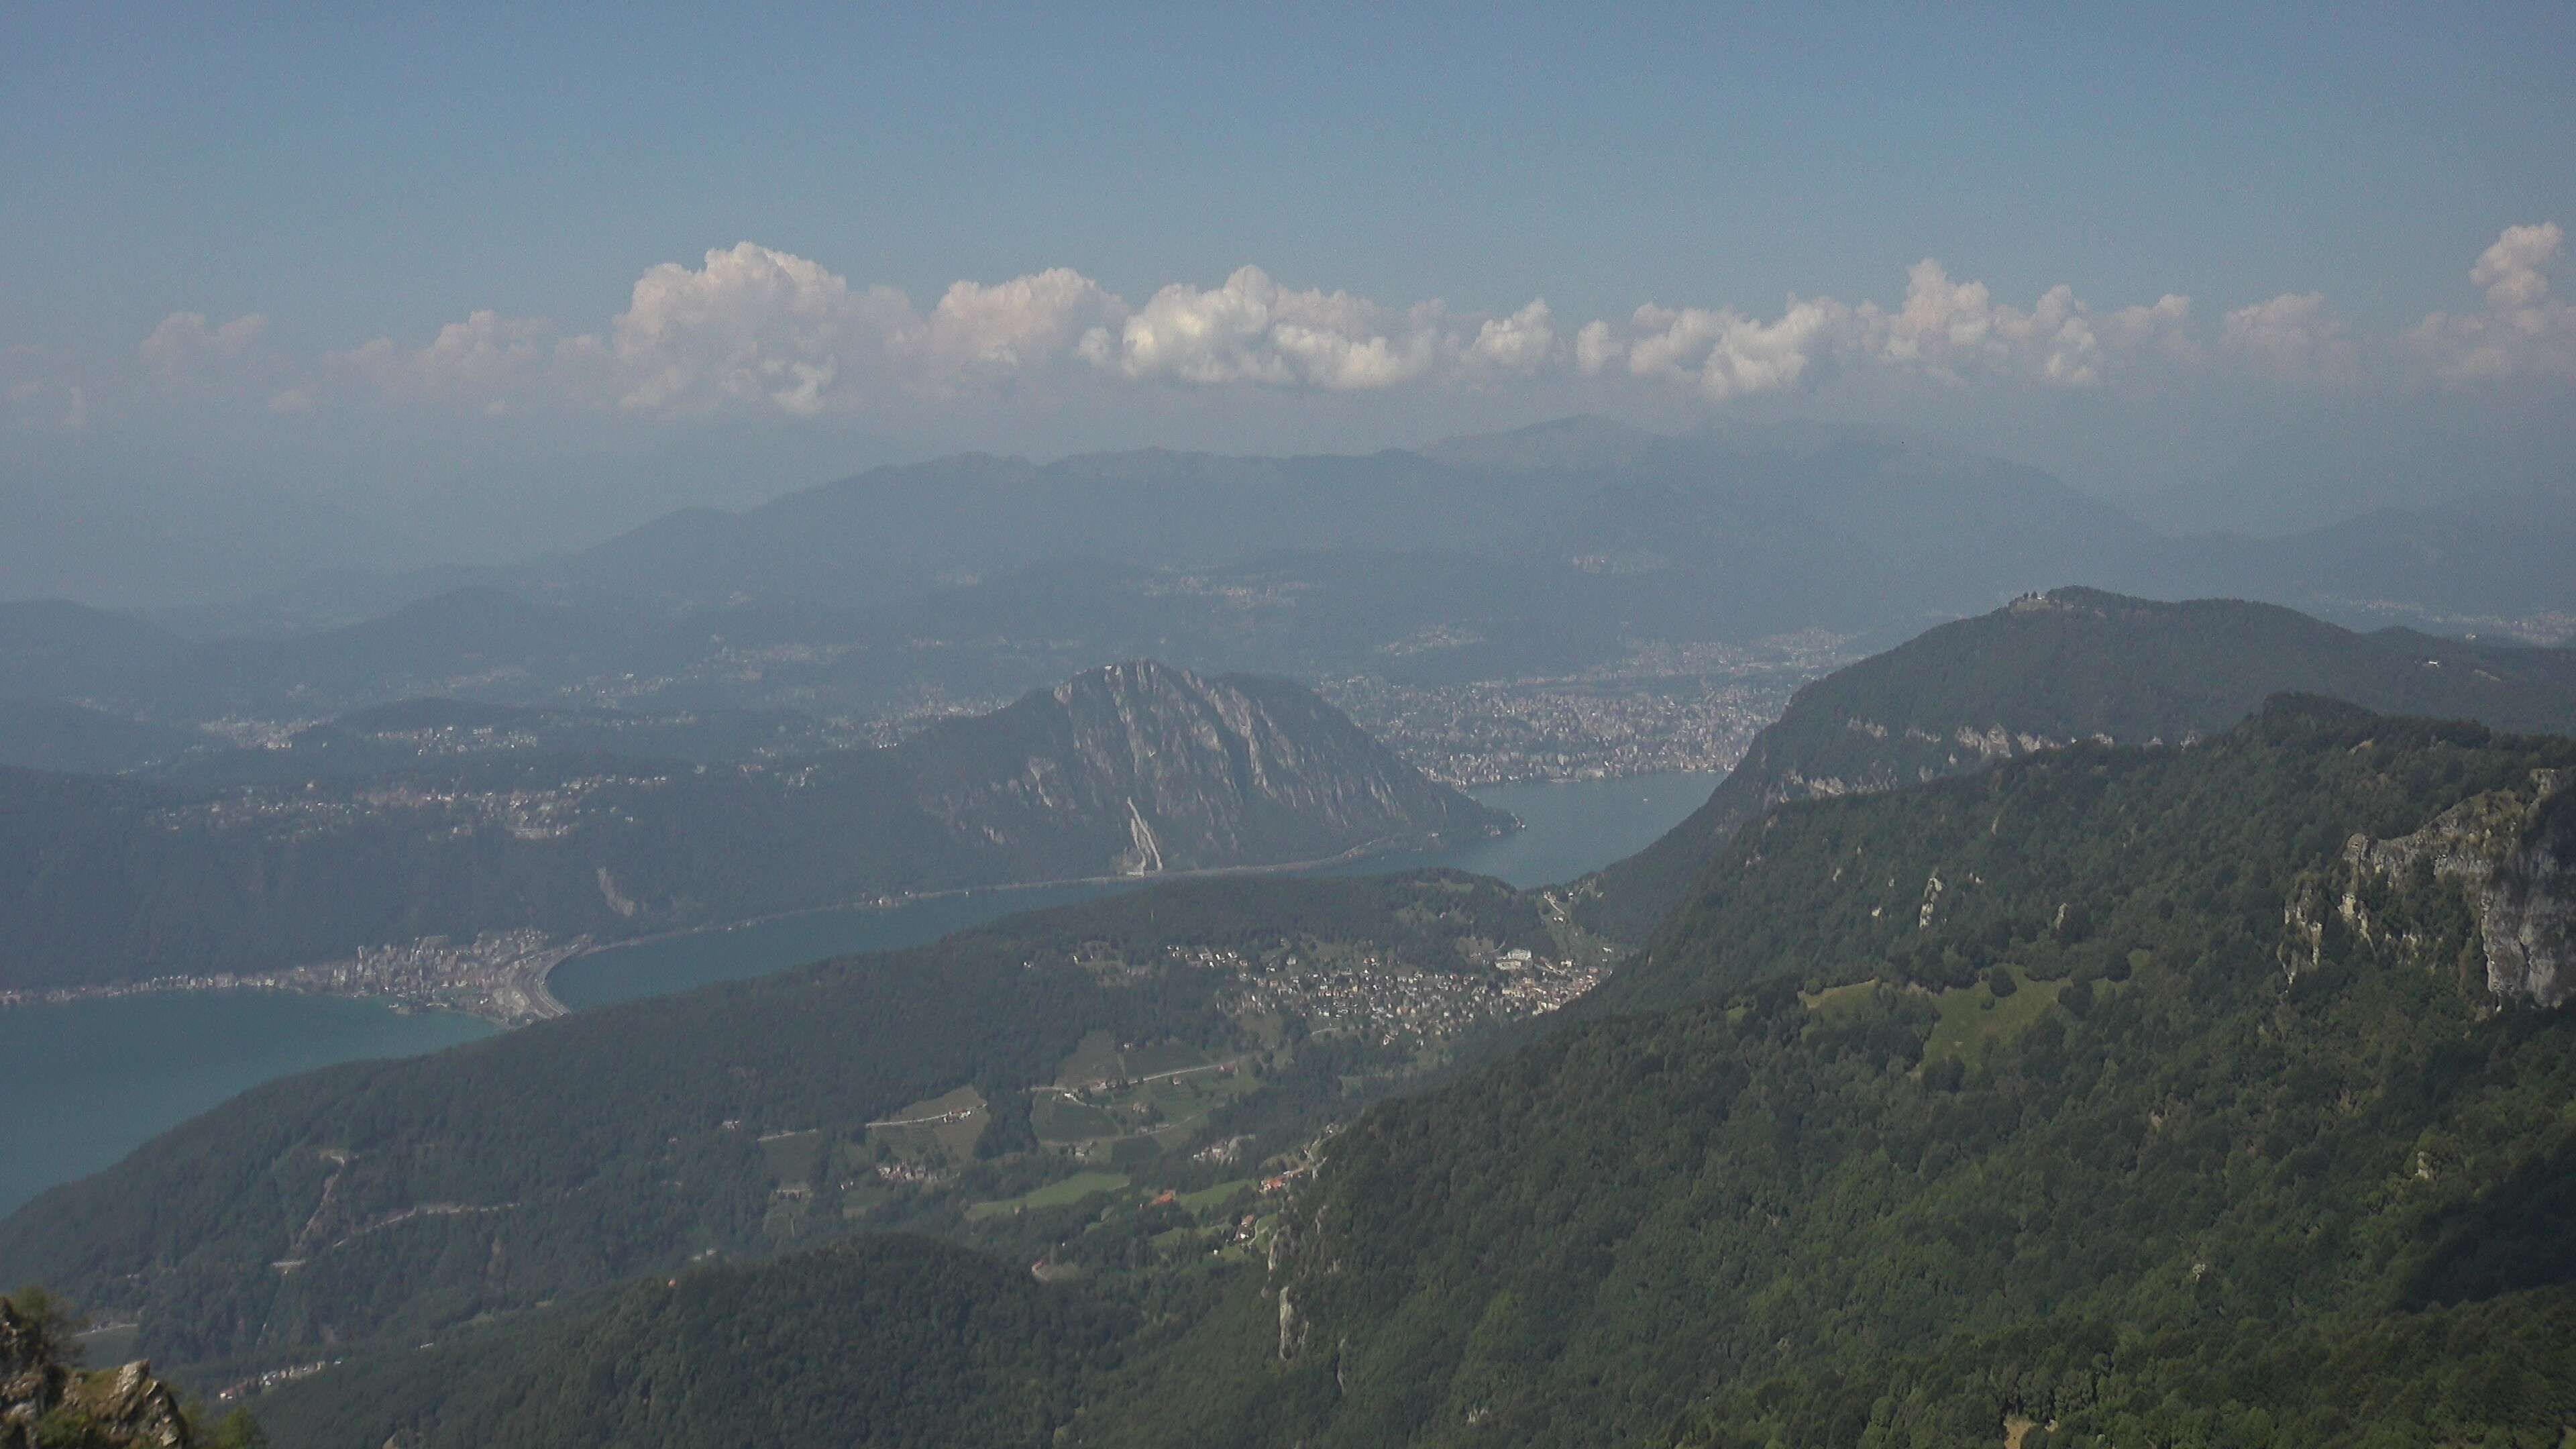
pixel 83 1084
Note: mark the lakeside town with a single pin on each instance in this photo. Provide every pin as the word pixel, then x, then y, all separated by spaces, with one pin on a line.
pixel 1688 707
pixel 499 976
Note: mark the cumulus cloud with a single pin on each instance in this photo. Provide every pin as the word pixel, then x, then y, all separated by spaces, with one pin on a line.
pixel 2523 332
pixel 991 334
pixel 756 329
pixel 1252 330
pixel 1951 330
pixel 487 360
pixel 1723 352
pixel 751 329
pixel 2292 335
pixel 1522 343
pixel 2153 329
pixel 183 342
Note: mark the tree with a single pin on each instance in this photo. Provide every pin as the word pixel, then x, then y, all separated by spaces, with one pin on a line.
pixel 52 1322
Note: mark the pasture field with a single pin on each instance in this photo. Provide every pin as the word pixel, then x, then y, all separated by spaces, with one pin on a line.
pixel 1060 1193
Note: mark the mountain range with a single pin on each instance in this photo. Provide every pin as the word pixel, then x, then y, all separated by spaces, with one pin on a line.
pixel 1546 551
pixel 2062 666
pixel 1134 770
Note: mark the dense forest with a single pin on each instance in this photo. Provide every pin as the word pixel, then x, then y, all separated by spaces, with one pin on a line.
pixel 2071 664
pixel 884 1343
pixel 2107 1136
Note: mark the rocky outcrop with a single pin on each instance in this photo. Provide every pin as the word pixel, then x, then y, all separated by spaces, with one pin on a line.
pixel 2511 853
pixel 46 1402
pixel 1144 768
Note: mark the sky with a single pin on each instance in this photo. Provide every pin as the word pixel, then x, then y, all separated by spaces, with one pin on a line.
pixel 378 286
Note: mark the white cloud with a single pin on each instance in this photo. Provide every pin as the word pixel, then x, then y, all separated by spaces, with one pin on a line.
pixel 483 360
pixel 2293 335
pixel 1953 331
pixel 1725 353
pixel 754 327
pixel 183 341
pixel 1251 330
pixel 1523 343
pixel 991 334
pixel 751 329
pixel 1596 347
pixel 2155 329
pixel 2524 331
pixel 2510 269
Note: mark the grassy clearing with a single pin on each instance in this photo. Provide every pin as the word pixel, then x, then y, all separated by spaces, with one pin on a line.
pixel 1060 1193
pixel 792 1155
pixel 1094 1060
pixel 1208 1199
pixel 1974 1021
pixel 1146 1061
pixel 1060 1119
pixel 1839 1001
pixel 950 1122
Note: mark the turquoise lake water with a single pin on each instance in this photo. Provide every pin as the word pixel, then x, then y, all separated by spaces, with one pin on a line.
pixel 83 1084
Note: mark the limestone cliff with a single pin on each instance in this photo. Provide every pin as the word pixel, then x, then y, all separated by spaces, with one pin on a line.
pixel 2512 855
pixel 44 1401
pixel 1143 768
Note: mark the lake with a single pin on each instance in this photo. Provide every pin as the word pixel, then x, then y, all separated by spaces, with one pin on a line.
pixel 85 1083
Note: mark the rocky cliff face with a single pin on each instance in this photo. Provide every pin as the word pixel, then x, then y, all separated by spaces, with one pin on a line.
pixel 1144 768
pixel 45 1402
pixel 2512 855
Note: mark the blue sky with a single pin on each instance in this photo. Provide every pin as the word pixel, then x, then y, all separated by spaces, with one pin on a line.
pixel 360 173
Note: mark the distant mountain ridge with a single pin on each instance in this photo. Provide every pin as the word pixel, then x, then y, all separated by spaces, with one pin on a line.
pixel 1542 552
pixel 2066 665
pixel 1137 769
pixel 1845 525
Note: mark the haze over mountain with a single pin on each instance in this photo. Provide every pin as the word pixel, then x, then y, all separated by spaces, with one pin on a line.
pixel 1752 528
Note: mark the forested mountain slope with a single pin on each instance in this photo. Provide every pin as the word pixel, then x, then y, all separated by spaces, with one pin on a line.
pixel 2071 664
pixel 394 1201
pixel 2146 1095
pixel 2211 1097
pixel 885 1343
pixel 1137 769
